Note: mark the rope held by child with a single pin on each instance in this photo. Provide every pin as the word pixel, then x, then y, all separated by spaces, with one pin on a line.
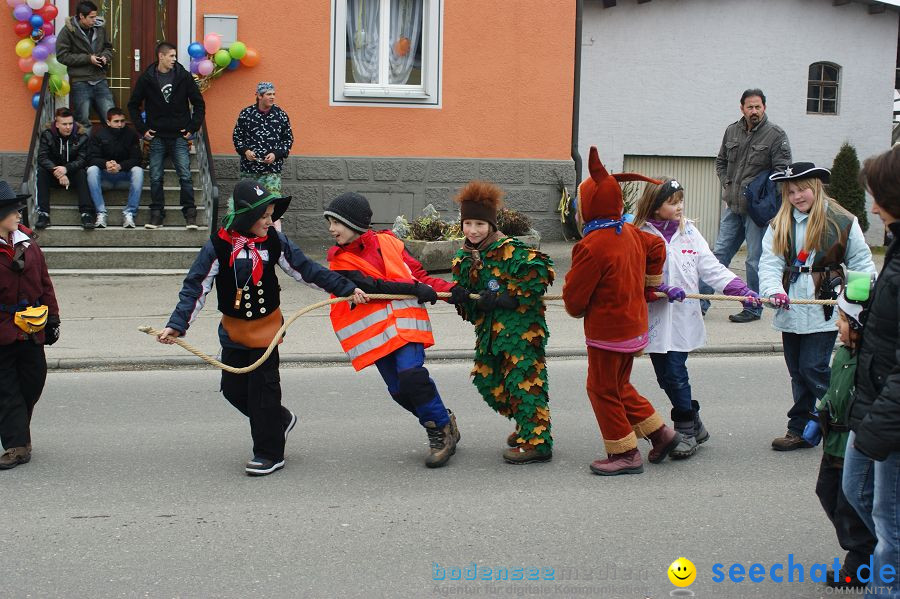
pixel 382 296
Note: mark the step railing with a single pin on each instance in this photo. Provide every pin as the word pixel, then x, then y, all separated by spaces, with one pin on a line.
pixel 207 176
pixel 44 114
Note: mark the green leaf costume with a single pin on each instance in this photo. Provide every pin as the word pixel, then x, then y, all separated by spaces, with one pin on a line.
pixel 510 370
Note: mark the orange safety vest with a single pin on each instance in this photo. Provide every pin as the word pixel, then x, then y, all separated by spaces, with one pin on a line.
pixel 368 332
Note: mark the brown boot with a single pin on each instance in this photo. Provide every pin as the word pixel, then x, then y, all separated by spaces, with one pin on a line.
pixel 526 454
pixel 790 442
pixel 513 439
pixel 453 426
pixel 441 443
pixel 14 456
pixel 664 440
pixel 629 462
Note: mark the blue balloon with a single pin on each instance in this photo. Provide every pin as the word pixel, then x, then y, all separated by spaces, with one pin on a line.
pixel 36 100
pixel 37 21
pixel 196 50
pixel 234 64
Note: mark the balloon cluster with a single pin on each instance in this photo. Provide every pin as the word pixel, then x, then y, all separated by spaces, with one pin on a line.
pixel 209 59
pixel 37 47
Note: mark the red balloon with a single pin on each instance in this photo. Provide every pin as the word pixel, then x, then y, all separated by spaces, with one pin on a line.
pixel 25 64
pixel 47 28
pixel 48 12
pixel 22 28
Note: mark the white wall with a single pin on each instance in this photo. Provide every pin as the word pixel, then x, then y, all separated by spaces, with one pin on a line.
pixel 665 77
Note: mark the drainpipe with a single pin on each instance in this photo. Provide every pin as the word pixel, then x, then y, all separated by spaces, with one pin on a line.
pixel 576 91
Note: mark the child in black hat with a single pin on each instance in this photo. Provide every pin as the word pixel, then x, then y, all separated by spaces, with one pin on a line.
pixel 240 259
pixel 29 319
pixel 392 334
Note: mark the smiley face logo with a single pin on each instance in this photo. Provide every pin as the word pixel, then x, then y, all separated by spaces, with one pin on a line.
pixel 682 572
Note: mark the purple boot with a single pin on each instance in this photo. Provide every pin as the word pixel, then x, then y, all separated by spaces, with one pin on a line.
pixel 629 462
pixel 664 440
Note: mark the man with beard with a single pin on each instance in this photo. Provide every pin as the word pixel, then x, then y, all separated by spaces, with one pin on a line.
pixel 751 145
pixel 115 159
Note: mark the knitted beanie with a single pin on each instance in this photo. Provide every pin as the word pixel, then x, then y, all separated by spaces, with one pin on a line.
pixel 352 209
pixel 479 200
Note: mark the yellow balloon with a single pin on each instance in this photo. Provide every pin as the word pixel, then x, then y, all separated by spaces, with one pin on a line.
pixel 64 88
pixel 24 47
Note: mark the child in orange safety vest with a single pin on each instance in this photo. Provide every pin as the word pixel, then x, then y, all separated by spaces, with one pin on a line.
pixel 392 334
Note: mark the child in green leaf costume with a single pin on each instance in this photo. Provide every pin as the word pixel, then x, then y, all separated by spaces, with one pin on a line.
pixel 511 332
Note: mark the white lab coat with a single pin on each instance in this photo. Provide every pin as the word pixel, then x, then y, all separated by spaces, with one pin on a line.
pixel 678 326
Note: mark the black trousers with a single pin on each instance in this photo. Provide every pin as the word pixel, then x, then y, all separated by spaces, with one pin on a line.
pixel 78 181
pixel 852 533
pixel 257 395
pixel 23 370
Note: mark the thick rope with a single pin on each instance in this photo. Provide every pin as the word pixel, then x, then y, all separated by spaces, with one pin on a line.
pixel 383 296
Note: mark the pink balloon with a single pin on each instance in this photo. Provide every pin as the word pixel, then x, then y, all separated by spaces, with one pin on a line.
pixel 48 28
pixel 212 43
pixel 26 64
pixel 205 67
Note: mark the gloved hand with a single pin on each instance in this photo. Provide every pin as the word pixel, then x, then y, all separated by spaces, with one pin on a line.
pixel 51 331
pixel 780 300
pixel 458 295
pixel 675 294
pixel 754 302
pixel 507 302
pixel 650 294
pixel 487 301
pixel 425 294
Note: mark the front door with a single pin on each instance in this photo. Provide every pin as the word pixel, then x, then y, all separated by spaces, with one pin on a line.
pixel 134 27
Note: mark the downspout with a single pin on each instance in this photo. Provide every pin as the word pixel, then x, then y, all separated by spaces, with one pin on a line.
pixel 576 91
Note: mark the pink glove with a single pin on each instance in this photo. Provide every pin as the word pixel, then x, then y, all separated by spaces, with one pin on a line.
pixel 738 288
pixel 675 294
pixel 780 300
pixel 753 301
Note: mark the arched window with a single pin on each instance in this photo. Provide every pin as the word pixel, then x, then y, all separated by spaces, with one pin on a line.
pixel 822 91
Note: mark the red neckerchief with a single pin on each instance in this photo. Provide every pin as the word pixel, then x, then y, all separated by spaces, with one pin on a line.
pixel 239 242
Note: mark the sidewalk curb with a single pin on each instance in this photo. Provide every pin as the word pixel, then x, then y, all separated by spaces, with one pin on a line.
pixel 149 362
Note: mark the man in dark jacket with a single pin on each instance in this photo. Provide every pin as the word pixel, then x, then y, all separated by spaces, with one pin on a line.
pixel 168 94
pixel 82 45
pixel 62 158
pixel 115 159
pixel 872 460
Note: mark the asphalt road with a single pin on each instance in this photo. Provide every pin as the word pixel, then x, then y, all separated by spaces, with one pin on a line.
pixel 137 489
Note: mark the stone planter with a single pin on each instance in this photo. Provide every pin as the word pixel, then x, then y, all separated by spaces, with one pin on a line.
pixel 436 256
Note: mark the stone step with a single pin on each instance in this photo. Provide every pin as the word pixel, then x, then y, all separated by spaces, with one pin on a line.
pixel 174 235
pixel 119 259
pixel 61 197
pixel 70 216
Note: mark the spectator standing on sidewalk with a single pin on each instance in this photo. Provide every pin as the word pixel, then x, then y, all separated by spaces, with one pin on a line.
pixel 83 46
pixel 115 158
pixel 62 158
pixel 174 110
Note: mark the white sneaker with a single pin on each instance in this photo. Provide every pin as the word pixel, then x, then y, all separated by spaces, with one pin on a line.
pixel 100 223
pixel 127 220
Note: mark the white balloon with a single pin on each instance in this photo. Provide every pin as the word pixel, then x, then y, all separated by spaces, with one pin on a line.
pixel 40 68
pixel 35 4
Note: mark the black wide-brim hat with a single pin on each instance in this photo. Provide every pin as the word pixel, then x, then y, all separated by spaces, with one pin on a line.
pixel 10 201
pixel 801 170
pixel 250 200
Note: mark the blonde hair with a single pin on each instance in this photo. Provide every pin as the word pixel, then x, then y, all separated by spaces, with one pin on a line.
pixel 645 211
pixel 783 223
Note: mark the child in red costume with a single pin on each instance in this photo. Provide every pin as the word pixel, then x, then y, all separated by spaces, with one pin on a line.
pixel 615 269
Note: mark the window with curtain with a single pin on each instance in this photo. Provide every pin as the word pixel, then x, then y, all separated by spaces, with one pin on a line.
pixel 386 51
pixel 822 88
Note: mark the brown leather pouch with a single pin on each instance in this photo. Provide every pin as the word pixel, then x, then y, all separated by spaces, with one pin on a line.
pixel 253 333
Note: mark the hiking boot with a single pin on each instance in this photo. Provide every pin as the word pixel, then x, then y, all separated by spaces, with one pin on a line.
pixel 526 454
pixel 127 220
pixel 513 439
pixel 744 316
pixel 190 219
pixel 262 466
pixel 100 223
pixel 156 221
pixel 42 221
pixel 87 221
pixel 441 443
pixel 664 440
pixel 290 423
pixel 789 442
pixel 629 462
pixel 453 426
pixel 14 456
pixel 688 445
pixel 845 580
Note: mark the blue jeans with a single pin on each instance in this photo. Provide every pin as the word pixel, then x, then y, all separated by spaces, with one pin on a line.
pixel 672 376
pixel 83 95
pixel 872 488
pixel 177 149
pixel 410 386
pixel 98 180
pixel 807 358
pixel 734 229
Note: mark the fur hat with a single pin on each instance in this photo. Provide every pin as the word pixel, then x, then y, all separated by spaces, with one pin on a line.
pixel 479 200
pixel 250 202
pixel 352 209
pixel 600 195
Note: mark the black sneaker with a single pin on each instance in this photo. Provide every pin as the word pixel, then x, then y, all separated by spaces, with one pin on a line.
pixel 42 221
pixel 156 221
pixel 744 316
pixel 262 466
pixel 290 424
pixel 87 221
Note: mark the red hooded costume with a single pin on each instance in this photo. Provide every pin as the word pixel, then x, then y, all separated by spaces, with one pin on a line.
pixel 611 268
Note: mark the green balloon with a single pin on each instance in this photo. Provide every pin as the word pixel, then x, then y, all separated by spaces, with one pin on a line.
pixel 27 76
pixel 56 83
pixel 237 50
pixel 55 67
pixel 222 58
